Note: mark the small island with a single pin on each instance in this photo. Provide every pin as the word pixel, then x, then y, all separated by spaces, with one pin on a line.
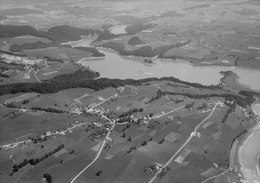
pixel 148 61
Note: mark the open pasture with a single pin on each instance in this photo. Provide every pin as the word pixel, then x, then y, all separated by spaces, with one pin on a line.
pixel 55 69
pixel 29 123
pixel 76 93
pixel 115 172
pixel 21 97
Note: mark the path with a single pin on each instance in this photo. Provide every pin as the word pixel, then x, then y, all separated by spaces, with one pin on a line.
pixel 159 116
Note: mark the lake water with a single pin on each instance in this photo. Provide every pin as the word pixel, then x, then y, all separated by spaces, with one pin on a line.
pixel 116 66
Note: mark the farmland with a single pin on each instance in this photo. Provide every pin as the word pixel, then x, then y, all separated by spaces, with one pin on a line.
pixel 139 141
pixel 129 91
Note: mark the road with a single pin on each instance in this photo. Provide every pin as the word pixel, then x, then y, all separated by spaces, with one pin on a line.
pixel 161 115
pixel 114 95
pixel 215 176
pixel 34 73
pixel 231 159
pixel 99 151
pixel 103 101
pixel 231 164
pixel 103 143
pixel 181 148
pixel 15 144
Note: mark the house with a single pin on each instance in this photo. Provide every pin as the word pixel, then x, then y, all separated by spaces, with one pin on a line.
pixel 97 124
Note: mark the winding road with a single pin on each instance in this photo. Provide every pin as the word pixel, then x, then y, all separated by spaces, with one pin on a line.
pixel 161 115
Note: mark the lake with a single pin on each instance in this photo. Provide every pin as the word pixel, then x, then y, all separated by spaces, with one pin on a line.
pixel 116 66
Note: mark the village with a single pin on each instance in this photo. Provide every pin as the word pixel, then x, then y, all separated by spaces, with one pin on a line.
pixel 93 109
pixel 24 60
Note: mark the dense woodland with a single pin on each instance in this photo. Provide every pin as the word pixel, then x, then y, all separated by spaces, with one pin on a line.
pixel 135 41
pixel 84 79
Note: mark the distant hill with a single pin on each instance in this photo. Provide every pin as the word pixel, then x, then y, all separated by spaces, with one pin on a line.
pixel 57 34
pixel 15 30
pixel 65 33
pixel 144 51
pixel 20 11
pixel 129 19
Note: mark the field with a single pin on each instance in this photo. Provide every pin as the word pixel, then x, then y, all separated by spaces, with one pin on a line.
pixel 135 145
pixel 58 117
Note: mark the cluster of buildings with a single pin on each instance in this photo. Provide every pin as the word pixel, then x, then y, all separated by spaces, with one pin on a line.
pixel 98 112
pixel 151 169
pixel 98 134
pixel 248 114
pixel 209 107
pixel 89 110
pixel 43 136
pixel 134 119
pixel 76 110
pixel 19 60
pixel 15 144
pixel 108 144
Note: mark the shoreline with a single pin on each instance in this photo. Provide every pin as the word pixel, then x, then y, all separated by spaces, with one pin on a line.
pixel 235 78
pixel 161 61
pixel 193 63
pixel 248 175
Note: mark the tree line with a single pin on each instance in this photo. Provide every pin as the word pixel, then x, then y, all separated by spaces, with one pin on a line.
pixel 85 79
pixel 239 100
pixel 130 112
pixel 35 161
pixel 49 109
